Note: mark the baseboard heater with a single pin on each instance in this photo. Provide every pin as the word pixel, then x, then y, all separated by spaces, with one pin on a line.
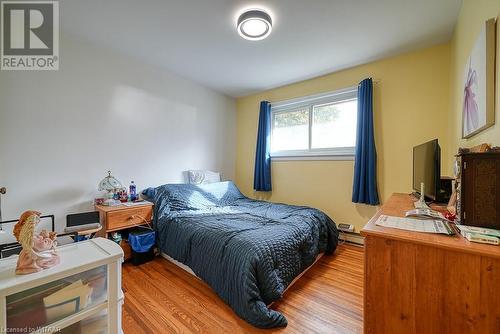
pixel 354 238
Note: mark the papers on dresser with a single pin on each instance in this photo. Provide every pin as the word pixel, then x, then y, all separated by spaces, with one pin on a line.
pixel 425 214
pixel 415 225
pixel 480 234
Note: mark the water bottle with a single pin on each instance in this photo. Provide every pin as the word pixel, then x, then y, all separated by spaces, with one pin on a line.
pixel 132 191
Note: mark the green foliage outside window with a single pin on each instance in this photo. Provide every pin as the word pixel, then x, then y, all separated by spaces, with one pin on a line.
pixel 321 114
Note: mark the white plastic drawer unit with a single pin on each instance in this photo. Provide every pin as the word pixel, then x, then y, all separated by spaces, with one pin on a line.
pixel 95 324
pixel 82 294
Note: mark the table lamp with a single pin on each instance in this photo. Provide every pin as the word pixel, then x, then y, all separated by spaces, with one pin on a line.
pixel 111 185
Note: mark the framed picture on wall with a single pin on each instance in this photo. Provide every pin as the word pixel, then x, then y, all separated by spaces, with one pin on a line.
pixel 479 83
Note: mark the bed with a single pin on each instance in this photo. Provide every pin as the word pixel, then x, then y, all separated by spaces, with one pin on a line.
pixel 248 251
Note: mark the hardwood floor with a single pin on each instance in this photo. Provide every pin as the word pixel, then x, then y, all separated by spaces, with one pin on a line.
pixel 162 298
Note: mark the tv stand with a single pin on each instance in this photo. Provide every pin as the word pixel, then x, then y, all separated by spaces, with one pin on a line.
pixel 420 205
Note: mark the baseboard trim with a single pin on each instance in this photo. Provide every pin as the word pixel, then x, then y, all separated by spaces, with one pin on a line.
pixel 179 264
pixel 355 238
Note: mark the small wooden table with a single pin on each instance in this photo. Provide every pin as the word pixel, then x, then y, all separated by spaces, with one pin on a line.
pixel 428 283
pixel 116 218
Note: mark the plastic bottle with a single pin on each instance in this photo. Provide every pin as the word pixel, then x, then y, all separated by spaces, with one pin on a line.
pixel 132 191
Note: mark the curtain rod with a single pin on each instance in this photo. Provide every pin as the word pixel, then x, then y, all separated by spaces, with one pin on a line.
pixel 375 81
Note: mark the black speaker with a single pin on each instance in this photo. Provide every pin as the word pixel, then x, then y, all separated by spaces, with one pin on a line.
pixel 445 189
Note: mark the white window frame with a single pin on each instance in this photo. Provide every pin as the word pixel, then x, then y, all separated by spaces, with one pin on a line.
pixel 335 153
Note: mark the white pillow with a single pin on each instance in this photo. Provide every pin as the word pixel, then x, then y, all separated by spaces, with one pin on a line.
pixel 203 176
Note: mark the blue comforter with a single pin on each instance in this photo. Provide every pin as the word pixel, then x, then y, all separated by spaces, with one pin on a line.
pixel 248 251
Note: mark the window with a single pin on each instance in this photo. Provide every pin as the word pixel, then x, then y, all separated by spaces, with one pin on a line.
pixel 315 126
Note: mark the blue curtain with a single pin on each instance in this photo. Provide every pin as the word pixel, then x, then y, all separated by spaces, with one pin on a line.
pixel 262 172
pixel 365 165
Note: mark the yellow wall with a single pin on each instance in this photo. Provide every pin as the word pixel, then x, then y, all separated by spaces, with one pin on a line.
pixel 411 105
pixel 472 17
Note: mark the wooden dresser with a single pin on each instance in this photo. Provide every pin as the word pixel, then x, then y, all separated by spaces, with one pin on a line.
pixel 428 283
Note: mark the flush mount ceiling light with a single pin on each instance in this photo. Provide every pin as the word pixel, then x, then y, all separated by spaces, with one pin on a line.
pixel 254 24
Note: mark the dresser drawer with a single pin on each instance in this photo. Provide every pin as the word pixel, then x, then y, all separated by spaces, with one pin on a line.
pixel 128 217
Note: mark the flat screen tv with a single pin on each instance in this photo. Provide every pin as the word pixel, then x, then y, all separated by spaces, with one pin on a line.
pixel 427 168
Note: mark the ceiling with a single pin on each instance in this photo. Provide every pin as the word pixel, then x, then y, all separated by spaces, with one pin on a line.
pixel 197 39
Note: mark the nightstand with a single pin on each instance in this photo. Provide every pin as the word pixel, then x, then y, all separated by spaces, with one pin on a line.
pixel 121 217
pixel 116 218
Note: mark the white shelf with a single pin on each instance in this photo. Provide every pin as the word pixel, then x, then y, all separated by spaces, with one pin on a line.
pixel 68 321
pixel 78 261
pixel 86 254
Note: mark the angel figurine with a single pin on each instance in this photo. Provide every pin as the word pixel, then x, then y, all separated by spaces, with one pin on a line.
pixel 39 250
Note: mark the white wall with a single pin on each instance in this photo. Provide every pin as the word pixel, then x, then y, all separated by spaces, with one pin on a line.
pixel 60 131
